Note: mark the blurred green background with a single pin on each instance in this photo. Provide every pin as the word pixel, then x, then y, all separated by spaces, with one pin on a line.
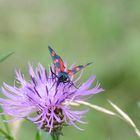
pixel 105 32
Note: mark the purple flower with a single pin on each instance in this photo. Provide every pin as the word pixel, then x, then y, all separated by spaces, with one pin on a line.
pixel 41 101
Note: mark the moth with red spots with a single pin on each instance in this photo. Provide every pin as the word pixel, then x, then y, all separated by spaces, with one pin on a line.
pixel 62 73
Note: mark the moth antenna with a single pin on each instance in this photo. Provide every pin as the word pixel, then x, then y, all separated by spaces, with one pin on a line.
pixel 52 86
pixel 88 64
pixel 49 47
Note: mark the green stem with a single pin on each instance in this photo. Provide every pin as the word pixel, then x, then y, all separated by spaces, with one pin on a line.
pixel 52 136
pixel 38 135
pixel 55 136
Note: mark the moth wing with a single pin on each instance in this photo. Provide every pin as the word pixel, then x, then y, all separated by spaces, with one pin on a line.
pixel 77 69
pixel 57 61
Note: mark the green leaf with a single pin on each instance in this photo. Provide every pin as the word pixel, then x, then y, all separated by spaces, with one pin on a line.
pixel 38 135
pixel 5 56
pixel 6 125
pixel 6 135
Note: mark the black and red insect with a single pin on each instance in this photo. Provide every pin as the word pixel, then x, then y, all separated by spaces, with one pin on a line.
pixel 61 72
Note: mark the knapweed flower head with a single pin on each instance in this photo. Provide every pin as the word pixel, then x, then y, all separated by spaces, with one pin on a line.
pixel 43 101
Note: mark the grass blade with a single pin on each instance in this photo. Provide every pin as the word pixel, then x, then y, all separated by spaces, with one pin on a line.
pixel 98 108
pixel 125 117
pixel 5 56
pixel 120 114
pixel 123 114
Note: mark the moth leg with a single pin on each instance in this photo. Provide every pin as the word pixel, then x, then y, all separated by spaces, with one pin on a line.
pixel 52 85
pixel 57 84
pixel 72 84
pixel 53 73
pixel 54 76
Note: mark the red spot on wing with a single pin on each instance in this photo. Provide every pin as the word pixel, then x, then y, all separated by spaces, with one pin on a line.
pixel 53 53
pixel 57 69
pixel 56 61
pixel 62 65
pixel 70 73
pixel 77 69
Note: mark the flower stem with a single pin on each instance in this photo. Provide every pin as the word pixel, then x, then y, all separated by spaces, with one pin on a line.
pixel 55 136
pixel 52 136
